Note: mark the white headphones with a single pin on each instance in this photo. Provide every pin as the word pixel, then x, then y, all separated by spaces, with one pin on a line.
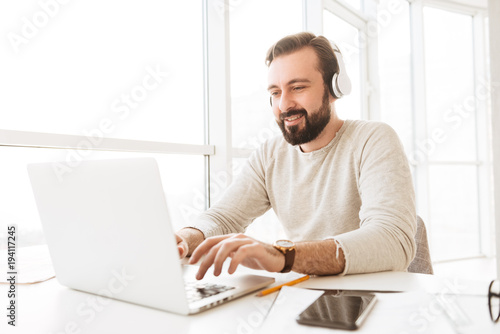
pixel 341 84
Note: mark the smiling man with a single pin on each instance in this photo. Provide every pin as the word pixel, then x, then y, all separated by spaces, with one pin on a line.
pixel 341 189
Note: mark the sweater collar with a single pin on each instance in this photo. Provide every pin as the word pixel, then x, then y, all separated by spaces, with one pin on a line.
pixel 328 147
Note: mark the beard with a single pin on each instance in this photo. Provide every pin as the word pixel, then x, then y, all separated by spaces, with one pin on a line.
pixel 315 123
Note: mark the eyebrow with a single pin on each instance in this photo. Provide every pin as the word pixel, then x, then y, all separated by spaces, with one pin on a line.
pixel 291 82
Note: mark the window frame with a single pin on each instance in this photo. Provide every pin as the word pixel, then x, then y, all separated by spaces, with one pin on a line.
pixel 313 21
pixel 483 146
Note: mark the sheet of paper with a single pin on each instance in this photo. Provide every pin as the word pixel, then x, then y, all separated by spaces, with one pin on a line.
pixel 289 303
pixel 399 281
pixel 394 313
pixel 407 313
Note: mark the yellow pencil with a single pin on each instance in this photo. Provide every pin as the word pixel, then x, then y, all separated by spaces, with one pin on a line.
pixel 276 288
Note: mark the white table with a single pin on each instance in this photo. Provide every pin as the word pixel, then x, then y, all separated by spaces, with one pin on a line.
pixel 50 308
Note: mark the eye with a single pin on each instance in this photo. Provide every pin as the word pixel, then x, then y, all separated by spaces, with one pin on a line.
pixel 298 88
pixel 275 93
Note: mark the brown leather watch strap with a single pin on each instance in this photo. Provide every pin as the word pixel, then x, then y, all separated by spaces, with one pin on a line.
pixel 289 259
pixel 287 248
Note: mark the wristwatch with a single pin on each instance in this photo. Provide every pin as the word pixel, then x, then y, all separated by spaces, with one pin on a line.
pixel 286 247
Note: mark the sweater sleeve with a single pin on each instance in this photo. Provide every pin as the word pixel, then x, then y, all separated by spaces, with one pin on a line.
pixel 385 239
pixel 244 200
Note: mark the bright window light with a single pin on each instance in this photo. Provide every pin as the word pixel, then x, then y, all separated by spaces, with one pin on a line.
pixel 253 121
pixel 451 132
pixel 394 61
pixel 356 4
pixel 137 63
pixel 449 72
pixel 346 37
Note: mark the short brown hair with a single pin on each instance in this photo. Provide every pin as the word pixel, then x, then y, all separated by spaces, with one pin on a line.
pixel 328 64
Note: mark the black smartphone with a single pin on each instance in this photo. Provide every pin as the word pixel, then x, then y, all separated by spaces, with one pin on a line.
pixel 341 309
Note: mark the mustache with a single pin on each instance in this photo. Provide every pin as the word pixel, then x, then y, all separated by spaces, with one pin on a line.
pixel 292 113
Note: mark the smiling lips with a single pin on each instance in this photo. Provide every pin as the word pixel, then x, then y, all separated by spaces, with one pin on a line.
pixel 294 120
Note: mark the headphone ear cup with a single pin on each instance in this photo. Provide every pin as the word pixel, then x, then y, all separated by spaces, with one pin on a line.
pixel 337 94
pixel 341 84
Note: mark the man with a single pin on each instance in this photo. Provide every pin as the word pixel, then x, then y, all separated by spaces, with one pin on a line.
pixel 341 189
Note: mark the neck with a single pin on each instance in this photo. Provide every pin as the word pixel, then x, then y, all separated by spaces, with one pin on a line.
pixel 326 136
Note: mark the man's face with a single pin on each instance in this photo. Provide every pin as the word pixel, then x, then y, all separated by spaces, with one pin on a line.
pixel 300 100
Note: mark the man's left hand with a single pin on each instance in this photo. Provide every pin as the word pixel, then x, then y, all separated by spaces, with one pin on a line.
pixel 242 249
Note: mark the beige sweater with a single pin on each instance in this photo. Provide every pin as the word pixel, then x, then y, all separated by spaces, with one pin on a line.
pixel 358 190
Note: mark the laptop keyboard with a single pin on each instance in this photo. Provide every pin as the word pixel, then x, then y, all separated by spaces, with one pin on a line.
pixel 197 291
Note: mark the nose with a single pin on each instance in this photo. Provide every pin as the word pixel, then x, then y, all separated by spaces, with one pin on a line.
pixel 286 102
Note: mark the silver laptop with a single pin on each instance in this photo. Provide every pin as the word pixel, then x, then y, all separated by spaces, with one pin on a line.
pixel 108 231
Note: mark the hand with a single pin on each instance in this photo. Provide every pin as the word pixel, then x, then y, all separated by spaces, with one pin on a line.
pixel 242 249
pixel 182 246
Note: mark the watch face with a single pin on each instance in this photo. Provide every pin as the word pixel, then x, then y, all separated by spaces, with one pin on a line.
pixel 285 243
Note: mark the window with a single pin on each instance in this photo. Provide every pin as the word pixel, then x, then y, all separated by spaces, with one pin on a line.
pixel 116 60
pixel 451 147
pixel 116 69
pixel 356 4
pixel 394 62
pixel 252 118
pixel 430 77
pixel 347 38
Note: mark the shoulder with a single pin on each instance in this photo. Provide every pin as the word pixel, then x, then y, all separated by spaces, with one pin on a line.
pixel 365 129
pixel 361 132
pixel 372 138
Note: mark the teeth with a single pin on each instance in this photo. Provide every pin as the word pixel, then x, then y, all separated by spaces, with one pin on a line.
pixel 293 118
